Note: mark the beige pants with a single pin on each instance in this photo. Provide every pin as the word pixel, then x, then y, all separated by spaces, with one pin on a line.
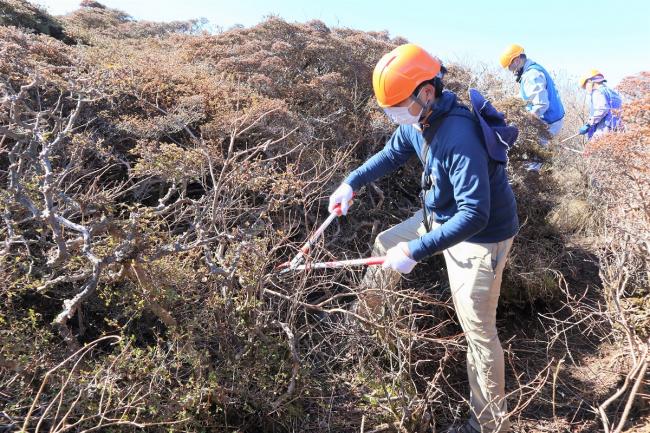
pixel 475 272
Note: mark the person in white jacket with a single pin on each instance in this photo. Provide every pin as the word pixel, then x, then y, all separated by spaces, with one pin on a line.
pixel 537 88
pixel 604 105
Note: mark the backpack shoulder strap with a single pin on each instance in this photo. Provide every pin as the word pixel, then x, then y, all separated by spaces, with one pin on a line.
pixel 430 131
pixel 425 179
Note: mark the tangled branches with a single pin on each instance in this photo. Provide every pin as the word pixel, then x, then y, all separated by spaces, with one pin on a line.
pixel 151 180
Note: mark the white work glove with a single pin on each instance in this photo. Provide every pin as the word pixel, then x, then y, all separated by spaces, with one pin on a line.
pixel 343 195
pixel 398 260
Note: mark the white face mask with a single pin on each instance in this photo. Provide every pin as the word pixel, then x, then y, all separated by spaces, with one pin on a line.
pixel 402 115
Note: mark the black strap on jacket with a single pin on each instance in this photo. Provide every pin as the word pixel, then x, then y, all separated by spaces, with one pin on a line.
pixel 426 181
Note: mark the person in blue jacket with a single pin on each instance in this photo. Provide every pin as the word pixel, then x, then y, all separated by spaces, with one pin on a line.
pixel 471 214
pixel 537 88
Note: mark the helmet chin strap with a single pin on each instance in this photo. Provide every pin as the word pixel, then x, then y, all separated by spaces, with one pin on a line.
pixel 426 113
pixel 426 107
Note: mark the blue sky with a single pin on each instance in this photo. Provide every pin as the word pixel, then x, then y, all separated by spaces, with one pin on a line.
pixel 567 37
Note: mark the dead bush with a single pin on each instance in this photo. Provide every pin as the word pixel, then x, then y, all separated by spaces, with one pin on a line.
pixel 22 14
pixel 152 179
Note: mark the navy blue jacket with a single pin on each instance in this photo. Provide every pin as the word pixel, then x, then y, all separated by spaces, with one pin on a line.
pixel 471 199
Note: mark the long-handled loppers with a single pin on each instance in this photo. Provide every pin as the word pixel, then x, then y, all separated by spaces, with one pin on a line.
pixel 296 264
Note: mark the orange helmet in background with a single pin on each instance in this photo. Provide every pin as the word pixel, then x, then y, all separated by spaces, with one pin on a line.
pixel 509 54
pixel 590 75
pixel 400 72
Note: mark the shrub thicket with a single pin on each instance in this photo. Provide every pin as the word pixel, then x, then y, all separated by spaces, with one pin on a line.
pixel 152 178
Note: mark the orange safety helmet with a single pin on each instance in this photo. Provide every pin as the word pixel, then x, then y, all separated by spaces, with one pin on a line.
pixel 592 74
pixel 510 53
pixel 400 72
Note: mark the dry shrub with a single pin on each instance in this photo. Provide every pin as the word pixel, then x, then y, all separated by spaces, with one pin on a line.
pixel 19 13
pixel 144 195
pixel 93 22
pixel 531 131
pixel 619 167
pixel 620 171
pixel 25 56
pixel 152 178
pixel 538 255
pixel 635 87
